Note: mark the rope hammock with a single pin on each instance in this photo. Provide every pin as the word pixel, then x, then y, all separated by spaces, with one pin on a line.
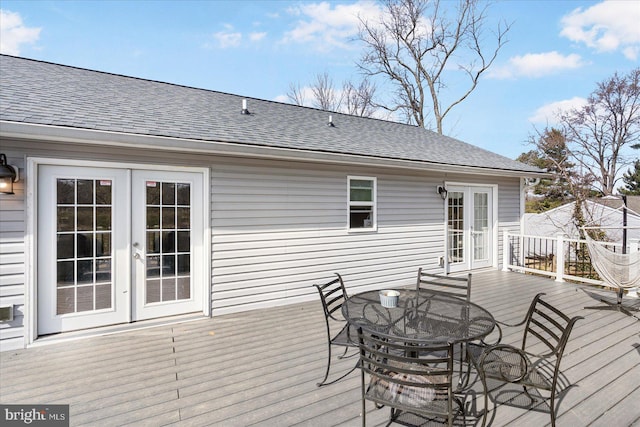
pixel 615 268
pixel 619 270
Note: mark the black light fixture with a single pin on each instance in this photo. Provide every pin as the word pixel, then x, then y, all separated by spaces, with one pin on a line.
pixel 8 175
pixel 442 191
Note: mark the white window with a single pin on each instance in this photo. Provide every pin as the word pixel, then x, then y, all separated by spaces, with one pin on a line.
pixel 362 203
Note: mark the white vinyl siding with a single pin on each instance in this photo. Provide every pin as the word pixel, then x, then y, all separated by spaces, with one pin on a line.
pixel 508 211
pixel 277 227
pixel 12 257
pixel 272 241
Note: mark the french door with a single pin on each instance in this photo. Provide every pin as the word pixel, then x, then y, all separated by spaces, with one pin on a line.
pixel 168 243
pixel 469 227
pixel 117 245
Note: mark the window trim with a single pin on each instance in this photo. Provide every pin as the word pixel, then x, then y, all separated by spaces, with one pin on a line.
pixel 373 204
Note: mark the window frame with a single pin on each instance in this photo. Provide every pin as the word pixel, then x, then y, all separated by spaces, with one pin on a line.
pixel 373 203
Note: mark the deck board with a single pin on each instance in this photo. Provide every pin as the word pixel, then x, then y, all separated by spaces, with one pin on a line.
pixel 259 368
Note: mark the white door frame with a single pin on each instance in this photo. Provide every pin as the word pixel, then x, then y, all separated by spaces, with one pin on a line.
pixel 493 259
pixel 31 260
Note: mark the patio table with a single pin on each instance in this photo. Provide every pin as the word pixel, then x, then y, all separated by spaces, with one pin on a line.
pixel 423 316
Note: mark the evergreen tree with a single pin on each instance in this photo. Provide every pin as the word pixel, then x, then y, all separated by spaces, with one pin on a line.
pixel 631 180
pixel 551 154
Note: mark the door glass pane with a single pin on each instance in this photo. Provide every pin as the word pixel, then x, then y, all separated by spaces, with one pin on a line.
pixel 85 218
pixel 103 192
pixel 83 256
pixel 153 242
pixel 66 191
pixel 455 227
pixel 480 226
pixel 85 245
pixel 153 193
pixel 153 217
pixel 85 192
pixel 66 218
pixel 103 244
pixel 66 246
pixel 168 218
pixel 103 296
pixel 153 291
pixel 183 217
pixel 103 218
pixel 168 248
pixel 168 194
pixel 183 192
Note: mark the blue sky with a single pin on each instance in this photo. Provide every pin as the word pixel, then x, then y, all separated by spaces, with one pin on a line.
pixel 557 51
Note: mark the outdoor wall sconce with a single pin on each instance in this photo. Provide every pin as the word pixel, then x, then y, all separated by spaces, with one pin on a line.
pixel 442 192
pixel 8 175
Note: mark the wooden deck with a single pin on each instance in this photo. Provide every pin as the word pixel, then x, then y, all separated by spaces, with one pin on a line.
pixel 261 367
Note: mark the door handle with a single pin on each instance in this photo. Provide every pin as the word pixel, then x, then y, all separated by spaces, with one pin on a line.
pixel 136 250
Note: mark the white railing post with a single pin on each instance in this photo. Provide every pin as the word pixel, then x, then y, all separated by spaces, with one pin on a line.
pixel 560 258
pixel 505 251
pixel 521 261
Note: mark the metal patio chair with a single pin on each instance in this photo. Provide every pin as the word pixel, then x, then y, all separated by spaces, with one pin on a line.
pixel 545 325
pixel 332 295
pixel 446 285
pixel 455 286
pixel 415 381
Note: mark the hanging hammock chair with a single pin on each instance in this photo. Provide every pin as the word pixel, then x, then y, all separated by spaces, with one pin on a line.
pixel 617 269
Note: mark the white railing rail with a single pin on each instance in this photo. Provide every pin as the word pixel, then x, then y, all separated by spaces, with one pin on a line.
pixel 560 257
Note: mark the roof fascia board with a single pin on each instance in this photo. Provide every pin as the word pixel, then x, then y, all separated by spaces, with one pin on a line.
pixel 121 139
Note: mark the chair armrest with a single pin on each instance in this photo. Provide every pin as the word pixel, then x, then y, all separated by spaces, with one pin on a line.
pixel 499 326
pixel 513 370
pixel 511 325
pixel 485 343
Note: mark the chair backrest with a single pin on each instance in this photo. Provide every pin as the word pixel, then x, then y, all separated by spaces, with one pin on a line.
pixel 549 325
pixel 407 375
pixel 446 285
pixel 332 294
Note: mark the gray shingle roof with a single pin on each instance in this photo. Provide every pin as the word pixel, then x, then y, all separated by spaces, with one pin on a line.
pixel 37 92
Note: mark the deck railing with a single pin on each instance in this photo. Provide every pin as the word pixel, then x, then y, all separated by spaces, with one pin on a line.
pixel 560 257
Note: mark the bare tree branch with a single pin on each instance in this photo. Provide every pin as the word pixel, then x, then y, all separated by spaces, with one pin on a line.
pixel 415 44
pixel 296 94
pixel 359 100
pixel 324 94
pixel 599 131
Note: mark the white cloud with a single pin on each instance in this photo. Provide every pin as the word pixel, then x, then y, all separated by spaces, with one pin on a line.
pixel 537 65
pixel 255 37
pixel 326 26
pixel 228 39
pixel 282 98
pixel 606 27
pixel 547 114
pixel 13 33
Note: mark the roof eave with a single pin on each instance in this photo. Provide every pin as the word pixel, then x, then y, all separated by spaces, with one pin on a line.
pixel 37 132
